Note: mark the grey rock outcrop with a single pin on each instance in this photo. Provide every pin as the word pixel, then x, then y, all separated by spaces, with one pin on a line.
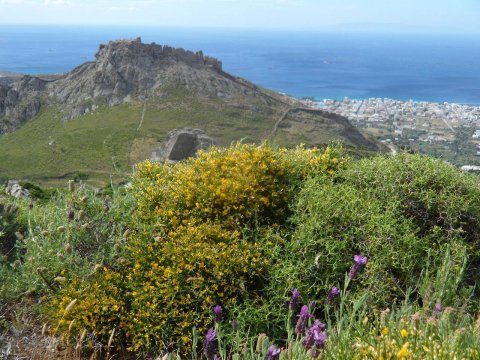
pixel 16 190
pixel 19 102
pixel 127 69
pixel 181 144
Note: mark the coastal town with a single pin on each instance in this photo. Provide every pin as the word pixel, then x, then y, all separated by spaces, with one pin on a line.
pixel 381 110
pixel 447 130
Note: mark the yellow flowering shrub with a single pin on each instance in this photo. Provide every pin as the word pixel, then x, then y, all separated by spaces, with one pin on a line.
pixel 193 247
pixel 177 281
pixel 96 306
pixel 235 186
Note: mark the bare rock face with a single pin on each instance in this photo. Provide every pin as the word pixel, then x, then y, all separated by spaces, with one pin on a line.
pixel 181 144
pixel 125 69
pixel 19 102
pixel 16 190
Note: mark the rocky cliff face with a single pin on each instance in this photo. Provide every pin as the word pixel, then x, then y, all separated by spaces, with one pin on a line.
pixel 128 68
pixel 19 102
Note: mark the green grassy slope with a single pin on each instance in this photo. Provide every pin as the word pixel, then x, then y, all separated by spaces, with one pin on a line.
pixel 105 144
pixel 109 141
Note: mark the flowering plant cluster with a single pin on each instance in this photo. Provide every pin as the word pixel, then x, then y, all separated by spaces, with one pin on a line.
pixel 235 186
pixel 192 247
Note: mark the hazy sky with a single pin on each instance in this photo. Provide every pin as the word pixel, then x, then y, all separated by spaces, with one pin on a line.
pixel 408 15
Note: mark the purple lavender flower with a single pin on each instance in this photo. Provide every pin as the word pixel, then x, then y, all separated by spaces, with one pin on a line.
pixel 302 320
pixel 437 310
pixel 320 338
pixel 332 294
pixel 309 340
pixel 273 353
pixel 235 324
pixel 317 339
pixel 209 346
pixel 294 299
pixel 71 215
pixel 217 310
pixel 359 262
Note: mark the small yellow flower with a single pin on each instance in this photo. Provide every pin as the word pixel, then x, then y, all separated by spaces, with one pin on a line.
pixel 404 333
pixel 403 353
pixel 385 331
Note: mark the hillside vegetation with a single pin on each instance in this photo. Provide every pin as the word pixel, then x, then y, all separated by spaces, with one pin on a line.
pixel 252 252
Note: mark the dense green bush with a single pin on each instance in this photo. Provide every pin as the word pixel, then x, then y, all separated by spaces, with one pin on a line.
pixel 36 192
pixel 406 213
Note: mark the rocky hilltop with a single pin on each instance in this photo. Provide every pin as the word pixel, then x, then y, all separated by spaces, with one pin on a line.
pixel 123 70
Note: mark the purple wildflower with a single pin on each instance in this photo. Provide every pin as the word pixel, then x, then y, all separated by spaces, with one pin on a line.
pixel 437 310
pixel 332 294
pixel 209 344
pixel 30 206
pixel 309 340
pixel 294 299
pixel 217 310
pixel 320 338
pixel 273 353
pixel 71 215
pixel 359 262
pixel 315 340
pixel 216 357
pixel 235 324
pixel 302 320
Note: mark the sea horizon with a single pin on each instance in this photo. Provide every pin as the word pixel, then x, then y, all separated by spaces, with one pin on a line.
pixel 321 65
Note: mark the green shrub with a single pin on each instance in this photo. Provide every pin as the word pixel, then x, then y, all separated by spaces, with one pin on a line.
pixel 402 212
pixel 56 247
pixel 36 192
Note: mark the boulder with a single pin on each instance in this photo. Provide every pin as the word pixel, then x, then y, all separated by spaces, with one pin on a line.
pixel 181 144
pixel 16 190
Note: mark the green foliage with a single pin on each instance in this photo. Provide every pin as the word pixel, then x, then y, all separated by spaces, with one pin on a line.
pixel 356 332
pixel 36 192
pixel 401 212
pixel 55 249
pixel 242 227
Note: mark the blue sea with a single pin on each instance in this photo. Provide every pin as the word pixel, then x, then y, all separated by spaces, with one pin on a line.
pixel 315 64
